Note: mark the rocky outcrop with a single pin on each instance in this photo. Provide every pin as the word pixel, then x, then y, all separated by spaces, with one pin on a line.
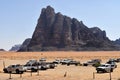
pixel 99 34
pixel 24 45
pixel 2 50
pixel 55 31
pixel 117 41
pixel 15 47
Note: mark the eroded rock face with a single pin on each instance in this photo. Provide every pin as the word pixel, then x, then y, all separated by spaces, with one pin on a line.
pixel 99 34
pixel 55 31
pixel 117 41
pixel 24 45
pixel 15 47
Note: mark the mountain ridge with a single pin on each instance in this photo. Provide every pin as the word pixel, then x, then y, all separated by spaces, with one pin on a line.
pixel 58 32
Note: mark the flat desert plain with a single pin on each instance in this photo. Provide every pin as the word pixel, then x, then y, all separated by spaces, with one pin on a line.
pixel 72 72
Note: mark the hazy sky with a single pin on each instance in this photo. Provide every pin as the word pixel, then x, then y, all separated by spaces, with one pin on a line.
pixel 18 18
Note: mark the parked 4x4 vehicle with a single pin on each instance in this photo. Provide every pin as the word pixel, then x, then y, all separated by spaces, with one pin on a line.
pixel 105 68
pixel 111 60
pixel 19 69
pixel 92 62
pixel 57 61
pixel 51 65
pixel 65 61
pixel 42 59
pixel 113 64
pixel 118 60
pixel 76 63
pixel 32 66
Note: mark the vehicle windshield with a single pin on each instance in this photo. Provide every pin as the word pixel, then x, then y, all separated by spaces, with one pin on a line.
pixel 11 66
pixel 104 65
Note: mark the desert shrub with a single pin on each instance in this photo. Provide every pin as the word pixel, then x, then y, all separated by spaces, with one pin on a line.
pixel 97 65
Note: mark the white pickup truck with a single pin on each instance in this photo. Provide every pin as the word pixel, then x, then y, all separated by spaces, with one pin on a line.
pixel 19 69
pixel 105 68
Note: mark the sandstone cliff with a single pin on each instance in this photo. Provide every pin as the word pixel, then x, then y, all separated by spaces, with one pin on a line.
pixel 24 45
pixel 55 31
pixel 15 47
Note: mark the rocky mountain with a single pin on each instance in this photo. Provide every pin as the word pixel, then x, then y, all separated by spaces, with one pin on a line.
pixel 15 47
pixel 2 50
pixel 24 45
pixel 55 31
pixel 117 41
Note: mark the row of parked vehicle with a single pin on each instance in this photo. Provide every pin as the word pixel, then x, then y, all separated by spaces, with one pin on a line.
pixel 32 65
pixel 67 62
pixel 109 66
pixel 42 64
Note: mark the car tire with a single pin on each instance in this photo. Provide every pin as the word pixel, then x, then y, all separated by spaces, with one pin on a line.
pixel 17 71
pixel 97 71
pixel 5 70
pixel 111 70
pixel 85 64
pixel 34 70
pixel 76 64
pixel 68 64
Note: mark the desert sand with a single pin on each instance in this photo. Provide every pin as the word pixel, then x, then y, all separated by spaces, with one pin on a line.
pixel 73 72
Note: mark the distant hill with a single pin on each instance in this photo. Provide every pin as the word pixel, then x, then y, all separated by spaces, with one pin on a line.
pixel 117 41
pixel 58 32
pixel 2 50
pixel 15 47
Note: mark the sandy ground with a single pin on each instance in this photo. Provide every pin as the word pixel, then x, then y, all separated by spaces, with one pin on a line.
pixel 73 72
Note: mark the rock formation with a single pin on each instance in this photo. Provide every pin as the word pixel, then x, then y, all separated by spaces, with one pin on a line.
pixel 117 41
pixel 24 45
pixel 2 50
pixel 55 31
pixel 15 47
